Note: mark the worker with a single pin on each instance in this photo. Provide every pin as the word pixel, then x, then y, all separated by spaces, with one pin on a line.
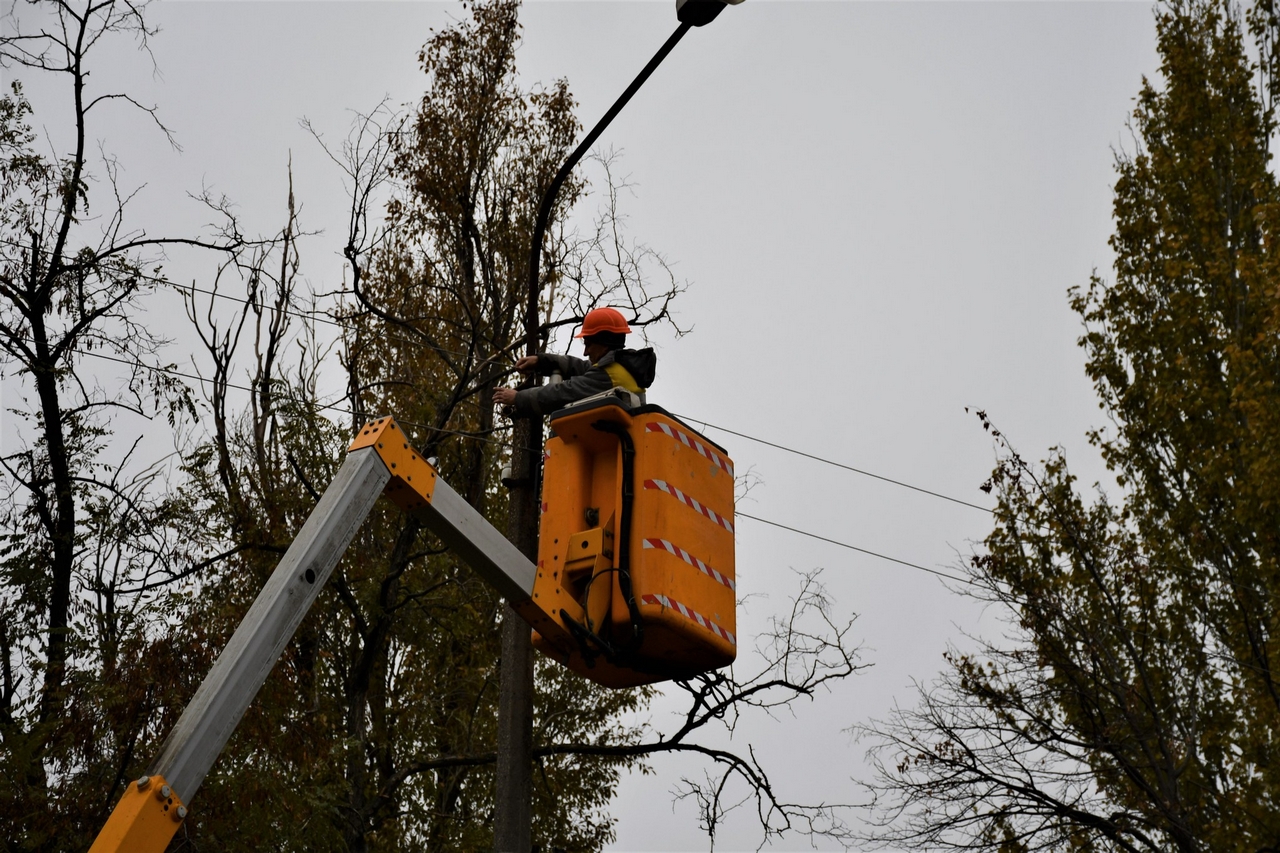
pixel 609 365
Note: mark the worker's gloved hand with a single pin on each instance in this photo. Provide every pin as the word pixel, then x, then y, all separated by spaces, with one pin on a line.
pixel 527 363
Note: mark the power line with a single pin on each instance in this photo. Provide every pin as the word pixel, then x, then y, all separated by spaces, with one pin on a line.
pixel 840 465
pixel 316 403
pixel 739 514
pixel 706 424
pixel 304 315
pixel 329 407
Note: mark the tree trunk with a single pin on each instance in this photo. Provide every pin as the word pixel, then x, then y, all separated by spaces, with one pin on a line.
pixel 60 520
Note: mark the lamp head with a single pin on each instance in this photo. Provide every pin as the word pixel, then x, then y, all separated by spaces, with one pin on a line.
pixel 699 13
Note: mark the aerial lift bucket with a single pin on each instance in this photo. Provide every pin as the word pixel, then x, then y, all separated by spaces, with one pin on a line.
pixel 636 550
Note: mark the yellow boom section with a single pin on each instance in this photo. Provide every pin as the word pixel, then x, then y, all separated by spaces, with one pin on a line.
pixel 145 820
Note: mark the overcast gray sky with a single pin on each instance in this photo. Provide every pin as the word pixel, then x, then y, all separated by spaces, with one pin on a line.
pixel 879 207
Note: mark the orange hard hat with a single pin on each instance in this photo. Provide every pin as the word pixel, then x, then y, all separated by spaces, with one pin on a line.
pixel 603 320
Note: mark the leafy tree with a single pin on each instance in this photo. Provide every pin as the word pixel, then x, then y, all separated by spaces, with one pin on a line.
pixel 1138 708
pixel 389 691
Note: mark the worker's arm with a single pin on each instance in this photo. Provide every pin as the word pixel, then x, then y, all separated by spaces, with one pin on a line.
pixel 579 382
pixel 548 398
pixel 566 365
pixel 545 364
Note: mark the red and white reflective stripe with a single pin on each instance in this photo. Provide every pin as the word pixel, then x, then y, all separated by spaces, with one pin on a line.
pixel 689 614
pixel 664 545
pixel 693 444
pixel 664 486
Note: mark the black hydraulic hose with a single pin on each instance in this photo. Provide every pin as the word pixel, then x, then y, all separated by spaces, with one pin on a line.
pixel 624 525
pixel 585 637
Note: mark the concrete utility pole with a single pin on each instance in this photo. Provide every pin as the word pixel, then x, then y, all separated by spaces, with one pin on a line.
pixel 513 797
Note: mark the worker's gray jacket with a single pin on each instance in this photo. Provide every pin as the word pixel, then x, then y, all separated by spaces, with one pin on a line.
pixel 581 379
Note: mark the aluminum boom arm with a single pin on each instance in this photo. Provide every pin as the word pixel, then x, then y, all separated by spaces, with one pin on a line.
pixel 380 461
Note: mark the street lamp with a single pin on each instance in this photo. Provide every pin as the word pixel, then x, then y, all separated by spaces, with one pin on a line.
pixel 690 13
pixel 699 13
pixel 513 818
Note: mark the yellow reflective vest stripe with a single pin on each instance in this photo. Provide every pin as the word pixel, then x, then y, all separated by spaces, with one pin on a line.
pixel 622 378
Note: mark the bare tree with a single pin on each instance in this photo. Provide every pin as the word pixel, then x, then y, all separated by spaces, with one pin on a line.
pixel 86 517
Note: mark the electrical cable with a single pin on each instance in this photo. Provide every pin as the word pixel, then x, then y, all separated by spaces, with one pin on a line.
pixel 705 424
pixel 304 315
pixel 461 434
pixel 474 436
pixel 838 464
pixel 740 514
pixel 316 403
